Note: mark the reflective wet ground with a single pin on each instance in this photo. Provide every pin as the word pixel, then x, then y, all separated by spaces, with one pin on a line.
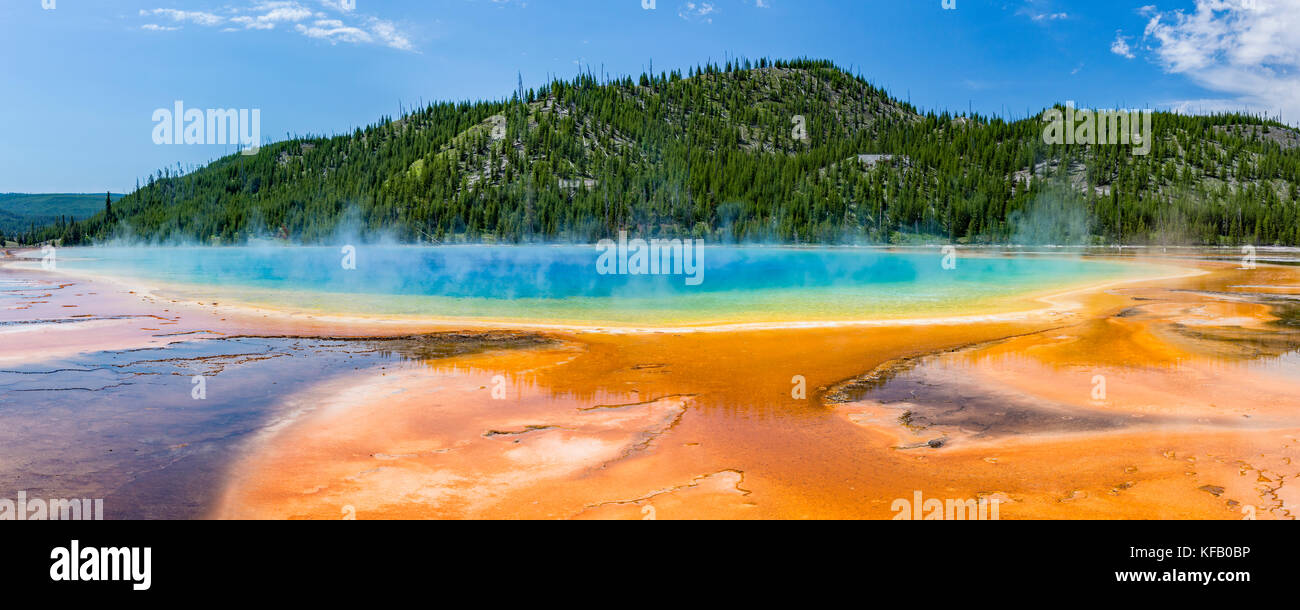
pixel 306 418
pixel 152 430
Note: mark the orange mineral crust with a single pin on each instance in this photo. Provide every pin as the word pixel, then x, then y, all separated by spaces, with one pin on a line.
pixel 1173 398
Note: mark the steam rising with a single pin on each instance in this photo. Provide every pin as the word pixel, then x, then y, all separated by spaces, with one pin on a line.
pixel 1053 218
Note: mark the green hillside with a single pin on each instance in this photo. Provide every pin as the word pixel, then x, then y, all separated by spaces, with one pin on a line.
pixel 20 211
pixel 716 153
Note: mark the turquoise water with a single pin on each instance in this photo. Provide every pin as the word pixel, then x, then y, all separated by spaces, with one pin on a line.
pixel 564 284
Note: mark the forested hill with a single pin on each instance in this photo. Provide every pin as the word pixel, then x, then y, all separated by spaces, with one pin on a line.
pixel 719 152
pixel 19 212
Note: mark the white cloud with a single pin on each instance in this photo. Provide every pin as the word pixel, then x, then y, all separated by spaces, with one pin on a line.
pixel 702 11
pixel 389 35
pixel 1120 46
pixel 1251 55
pixel 197 17
pixel 272 13
pixel 335 21
pixel 1042 11
pixel 334 31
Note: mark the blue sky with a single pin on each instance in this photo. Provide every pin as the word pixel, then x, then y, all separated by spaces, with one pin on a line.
pixel 79 82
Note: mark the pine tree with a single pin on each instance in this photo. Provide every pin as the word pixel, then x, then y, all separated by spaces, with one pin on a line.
pixel 713 154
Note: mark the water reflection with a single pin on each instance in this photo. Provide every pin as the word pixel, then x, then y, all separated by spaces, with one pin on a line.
pixel 126 426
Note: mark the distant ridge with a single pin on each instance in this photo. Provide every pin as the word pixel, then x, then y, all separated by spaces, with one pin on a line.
pixel 19 211
pixel 776 151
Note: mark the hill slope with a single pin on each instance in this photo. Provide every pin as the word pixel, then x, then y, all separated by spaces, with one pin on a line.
pixel 19 211
pixel 719 153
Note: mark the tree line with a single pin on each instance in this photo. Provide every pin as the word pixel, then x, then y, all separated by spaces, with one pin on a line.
pixel 717 153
